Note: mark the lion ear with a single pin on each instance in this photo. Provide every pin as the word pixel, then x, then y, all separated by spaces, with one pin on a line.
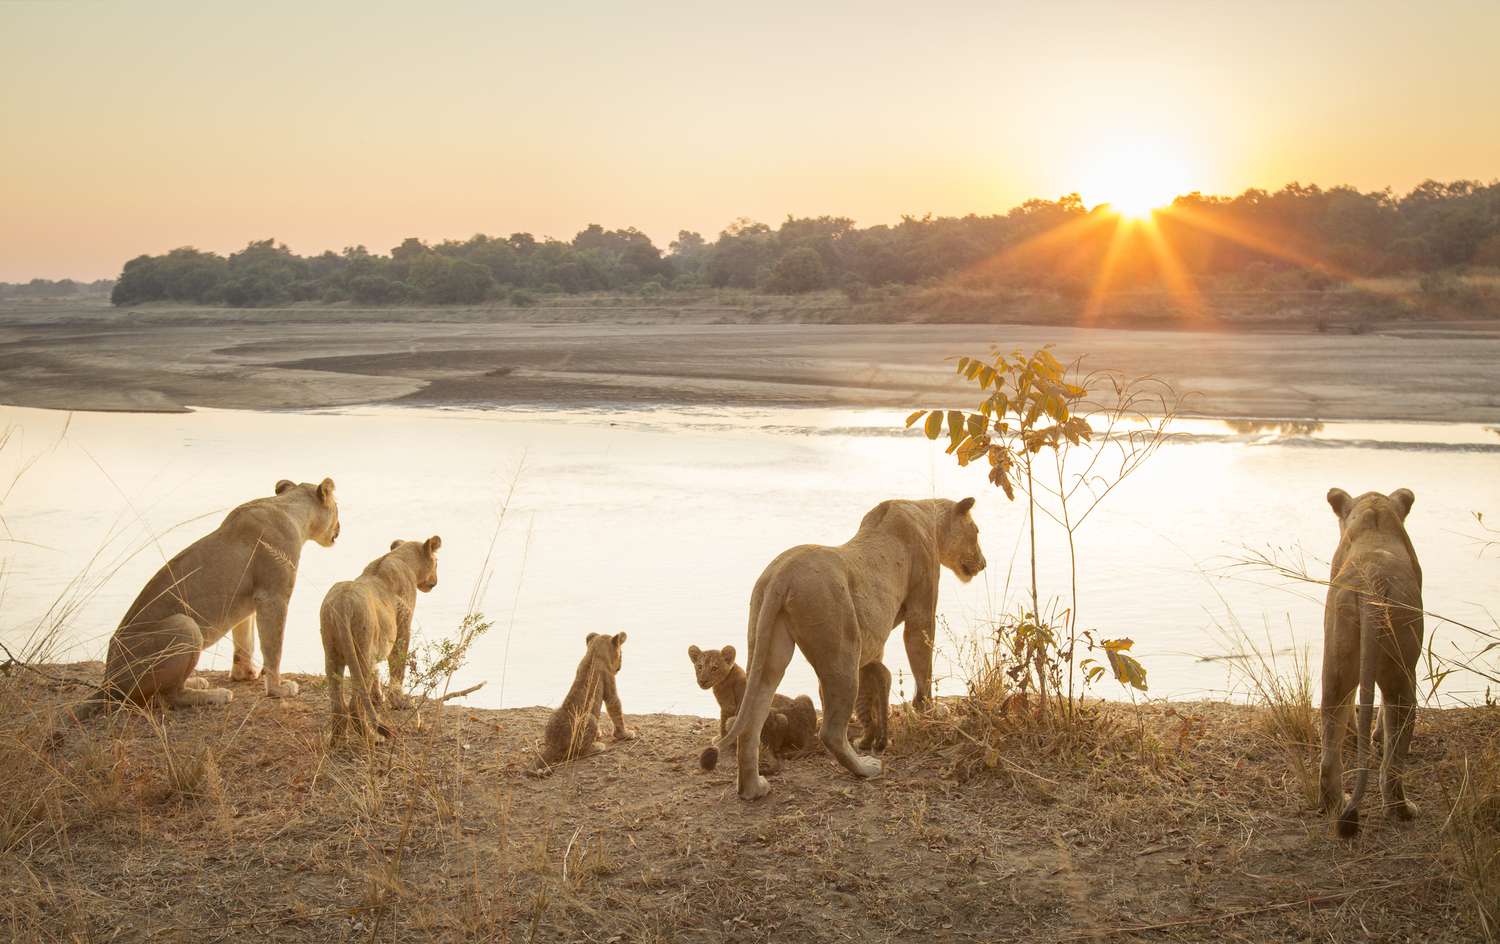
pixel 395 544
pixel 325 491
pixel 591 637
pixel 284 484
pixel 1403 498
pixel 1338 500
pixel 964 506
pixel 619 640
pixel 728 652
pixel 695 653
pixel 433 543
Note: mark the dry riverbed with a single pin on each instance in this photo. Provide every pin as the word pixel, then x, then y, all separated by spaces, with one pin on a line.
pixel 92 357
pixel 1182 822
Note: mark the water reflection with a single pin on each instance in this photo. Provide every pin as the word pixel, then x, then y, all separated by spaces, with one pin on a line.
pixel 658 522
pixel 1283 427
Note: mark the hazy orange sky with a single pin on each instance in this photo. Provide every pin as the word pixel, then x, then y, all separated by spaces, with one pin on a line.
pixel 137 127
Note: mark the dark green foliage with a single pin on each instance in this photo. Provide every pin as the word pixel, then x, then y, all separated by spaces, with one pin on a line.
pixel 1297 239
pixel 798 270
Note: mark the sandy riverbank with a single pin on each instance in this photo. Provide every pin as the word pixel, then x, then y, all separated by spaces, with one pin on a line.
pixel 1186 818
pixel 98 358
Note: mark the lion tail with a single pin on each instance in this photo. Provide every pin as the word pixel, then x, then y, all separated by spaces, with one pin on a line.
pixel 359 673
pixel 762 624
pixel 1368 625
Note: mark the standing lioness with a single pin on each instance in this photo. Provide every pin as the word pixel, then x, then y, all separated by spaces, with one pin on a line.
pixel 839 605
pixel 1372 635
pixel 368 620
pixel 237 577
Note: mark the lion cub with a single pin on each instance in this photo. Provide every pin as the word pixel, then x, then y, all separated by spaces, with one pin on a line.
pixel 791 725
pixel 573 729
pixel 368 620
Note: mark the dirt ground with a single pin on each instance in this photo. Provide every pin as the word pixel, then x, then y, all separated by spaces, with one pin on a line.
pixel 88 356
pixel 1180 823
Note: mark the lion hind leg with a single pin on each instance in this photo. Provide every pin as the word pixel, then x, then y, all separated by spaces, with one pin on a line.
pixel 154 662
pixel 244 668
pixel 874 705
pixel 1397 717
pixel 772 658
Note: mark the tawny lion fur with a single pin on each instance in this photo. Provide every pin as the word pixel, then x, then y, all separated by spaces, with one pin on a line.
pixel 839 605
pixel 1372 636
pixel 791 725
pixel 366 621
pixel 238 578
pixel 573 729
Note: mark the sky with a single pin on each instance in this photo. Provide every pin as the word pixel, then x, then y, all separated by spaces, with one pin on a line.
pixel 137 127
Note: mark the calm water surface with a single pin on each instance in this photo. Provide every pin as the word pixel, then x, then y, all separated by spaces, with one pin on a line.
pixel 657 522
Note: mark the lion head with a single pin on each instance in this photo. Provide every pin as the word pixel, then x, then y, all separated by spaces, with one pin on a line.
pixel 1371 511
pixel 324 526
pixel 606 649
pixel 421 557
pixel 958 542
pixel 712 666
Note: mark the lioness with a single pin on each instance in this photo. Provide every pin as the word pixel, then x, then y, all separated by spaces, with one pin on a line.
pixel 790 725
pixel 839 605
pixel 1372 635
pixel 573 729
pixel 239 575
pixel 368 620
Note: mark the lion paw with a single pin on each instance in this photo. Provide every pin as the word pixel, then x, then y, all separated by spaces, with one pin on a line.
pixel 756 789
pixel 626 734
pixel 398 699
pixel 196 684
pixel 217 696
pixel 285 688
pixel 244 672
pixel 867 767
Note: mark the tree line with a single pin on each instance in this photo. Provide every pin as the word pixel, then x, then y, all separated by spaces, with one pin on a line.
pixel 55 288
pixel 1298 237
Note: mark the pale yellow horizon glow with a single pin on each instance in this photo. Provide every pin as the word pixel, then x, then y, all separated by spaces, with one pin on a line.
pixel 132 128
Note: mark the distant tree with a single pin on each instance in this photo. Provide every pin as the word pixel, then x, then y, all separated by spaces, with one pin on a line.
pixel 798 270
pixel 377 290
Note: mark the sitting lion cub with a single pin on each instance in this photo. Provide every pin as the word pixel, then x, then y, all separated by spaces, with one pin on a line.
pixel 368 620
pixel 791 725
pixel 573 729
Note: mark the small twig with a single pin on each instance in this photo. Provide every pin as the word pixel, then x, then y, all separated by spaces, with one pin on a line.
pixel 12 662
pixel 458 694
pixel 1310 901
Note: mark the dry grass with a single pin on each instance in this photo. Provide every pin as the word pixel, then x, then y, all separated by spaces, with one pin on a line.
pixel 222 823
pixel 1473 832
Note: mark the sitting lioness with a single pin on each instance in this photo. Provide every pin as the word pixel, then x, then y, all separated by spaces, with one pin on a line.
pixel 1372 635
pixel 789 727
pixel 839 605
pixel 237 577
pixel 573 729
pixel 367 620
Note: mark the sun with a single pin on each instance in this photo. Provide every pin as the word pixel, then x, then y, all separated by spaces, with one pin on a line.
pixel 1135 177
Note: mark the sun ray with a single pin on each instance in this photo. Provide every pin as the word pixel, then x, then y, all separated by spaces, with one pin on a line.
pixel 1179 281
pixel 1102 277
pixel 1251 240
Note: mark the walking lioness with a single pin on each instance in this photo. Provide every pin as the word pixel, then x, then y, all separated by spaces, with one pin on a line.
pixel 839 605
pixel 240 575
pixel 366 621
pixel 1372 635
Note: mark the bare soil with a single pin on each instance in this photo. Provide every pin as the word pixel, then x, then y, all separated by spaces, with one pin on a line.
pixel 88 356
pixel 1179 822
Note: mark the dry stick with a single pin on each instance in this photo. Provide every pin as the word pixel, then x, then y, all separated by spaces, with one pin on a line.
pixel 458 694
pixel 1310 901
